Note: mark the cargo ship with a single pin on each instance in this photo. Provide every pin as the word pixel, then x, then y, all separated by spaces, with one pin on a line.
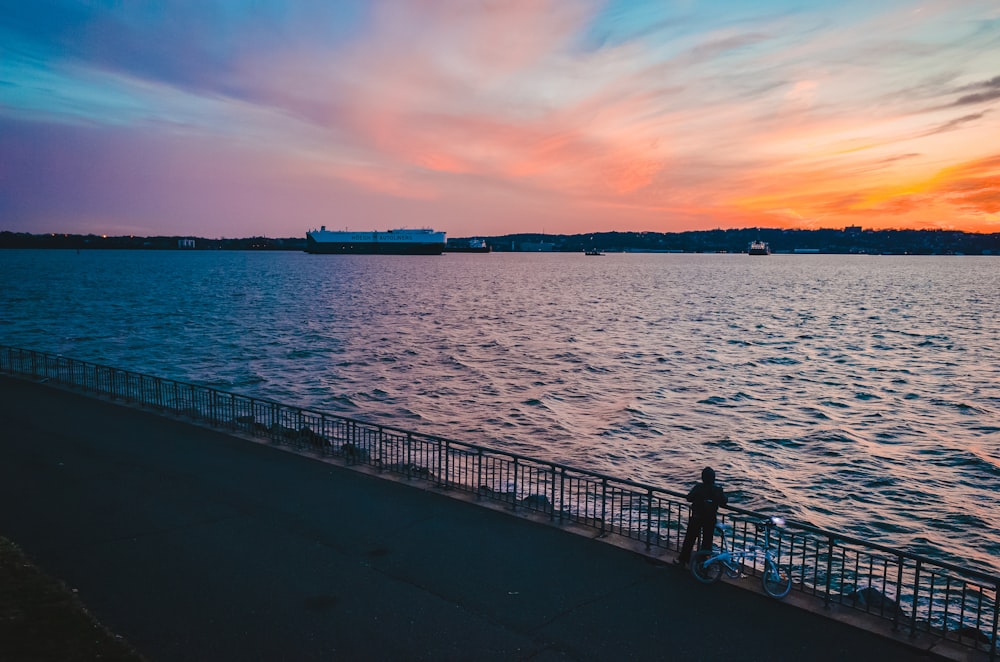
pixel 402 241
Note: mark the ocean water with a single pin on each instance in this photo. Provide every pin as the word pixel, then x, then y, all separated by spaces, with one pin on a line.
pixel 857 393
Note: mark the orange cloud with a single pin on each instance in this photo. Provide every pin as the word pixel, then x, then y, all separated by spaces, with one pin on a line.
pixel 966 195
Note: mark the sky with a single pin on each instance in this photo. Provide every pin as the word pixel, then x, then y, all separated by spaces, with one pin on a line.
pixel 490 117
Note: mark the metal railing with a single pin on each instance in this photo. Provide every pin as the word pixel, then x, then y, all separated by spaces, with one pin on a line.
pixel 915 593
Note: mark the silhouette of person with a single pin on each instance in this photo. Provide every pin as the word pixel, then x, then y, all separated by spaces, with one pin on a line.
pixel 706 497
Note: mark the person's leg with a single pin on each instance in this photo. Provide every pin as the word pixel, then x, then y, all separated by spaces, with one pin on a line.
pixel 707 534
pixel 693 529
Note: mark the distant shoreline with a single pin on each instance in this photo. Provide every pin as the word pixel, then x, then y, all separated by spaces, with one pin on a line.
pixel 852 240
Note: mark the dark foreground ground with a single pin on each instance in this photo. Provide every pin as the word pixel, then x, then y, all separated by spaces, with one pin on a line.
pixel 196 545
pixel 42 619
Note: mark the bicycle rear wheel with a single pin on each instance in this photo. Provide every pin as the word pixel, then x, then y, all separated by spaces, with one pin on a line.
pixel 704 568
pixel 776 580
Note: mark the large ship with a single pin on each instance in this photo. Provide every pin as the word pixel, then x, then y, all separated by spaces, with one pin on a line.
pixel 759 247
pixel 402 241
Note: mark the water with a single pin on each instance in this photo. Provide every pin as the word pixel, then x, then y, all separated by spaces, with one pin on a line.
pixel 858 393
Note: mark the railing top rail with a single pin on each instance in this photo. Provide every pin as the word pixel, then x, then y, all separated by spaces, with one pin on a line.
pixel 985 577
pixel 381 426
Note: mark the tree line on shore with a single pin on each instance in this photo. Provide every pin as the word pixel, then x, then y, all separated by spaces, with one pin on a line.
pixel 848 240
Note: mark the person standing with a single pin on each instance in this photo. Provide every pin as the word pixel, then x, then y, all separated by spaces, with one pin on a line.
pixel 706 498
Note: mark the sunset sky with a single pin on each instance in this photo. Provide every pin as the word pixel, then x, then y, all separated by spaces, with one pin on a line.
pixel 489 117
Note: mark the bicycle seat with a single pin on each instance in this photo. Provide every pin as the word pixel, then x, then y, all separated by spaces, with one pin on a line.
pixel 770 521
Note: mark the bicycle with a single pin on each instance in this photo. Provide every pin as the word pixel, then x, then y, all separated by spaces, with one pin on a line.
pixel 707 566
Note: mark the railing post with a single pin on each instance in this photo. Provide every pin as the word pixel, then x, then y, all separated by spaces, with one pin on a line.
pixel 829 571
pixel 649 519
pixel 276 423
pixel 552 502
pixel 409 452
pixel 604 505
pixel 253 417
pixel 513 496
pixel 562 492
pixel 899 593
pixel 440 461
pixel 446 449
pixel 479 473
pixel 916 594
pixel 996 622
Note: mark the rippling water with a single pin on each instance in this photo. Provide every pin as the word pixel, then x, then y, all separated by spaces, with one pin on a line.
pixel 859 393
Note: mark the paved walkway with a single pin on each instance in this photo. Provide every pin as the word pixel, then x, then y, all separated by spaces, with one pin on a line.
pixel 196 545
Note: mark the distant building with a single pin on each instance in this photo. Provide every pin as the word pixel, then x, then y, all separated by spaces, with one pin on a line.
pixel 185 243
pixel 852 229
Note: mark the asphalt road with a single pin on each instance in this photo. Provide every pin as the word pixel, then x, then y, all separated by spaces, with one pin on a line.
pixel 196 545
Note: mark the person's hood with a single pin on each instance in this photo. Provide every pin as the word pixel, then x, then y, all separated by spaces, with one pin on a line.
pixel 708 476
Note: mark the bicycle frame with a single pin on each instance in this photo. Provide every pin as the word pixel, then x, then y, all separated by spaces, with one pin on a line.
pixel 708 566
pixel 733 559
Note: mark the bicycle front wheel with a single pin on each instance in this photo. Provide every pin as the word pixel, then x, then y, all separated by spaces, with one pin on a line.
pixel 704 568
pixel 776 580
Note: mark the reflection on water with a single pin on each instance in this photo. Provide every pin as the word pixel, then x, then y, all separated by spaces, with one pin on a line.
pixel 855 392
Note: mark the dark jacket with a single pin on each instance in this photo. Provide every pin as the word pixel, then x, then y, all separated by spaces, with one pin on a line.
pixel 706 499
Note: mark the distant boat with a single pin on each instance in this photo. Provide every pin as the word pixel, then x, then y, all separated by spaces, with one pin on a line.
pixel 759 248
pixel 394 242
pixel 593 251
pixel 469 246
